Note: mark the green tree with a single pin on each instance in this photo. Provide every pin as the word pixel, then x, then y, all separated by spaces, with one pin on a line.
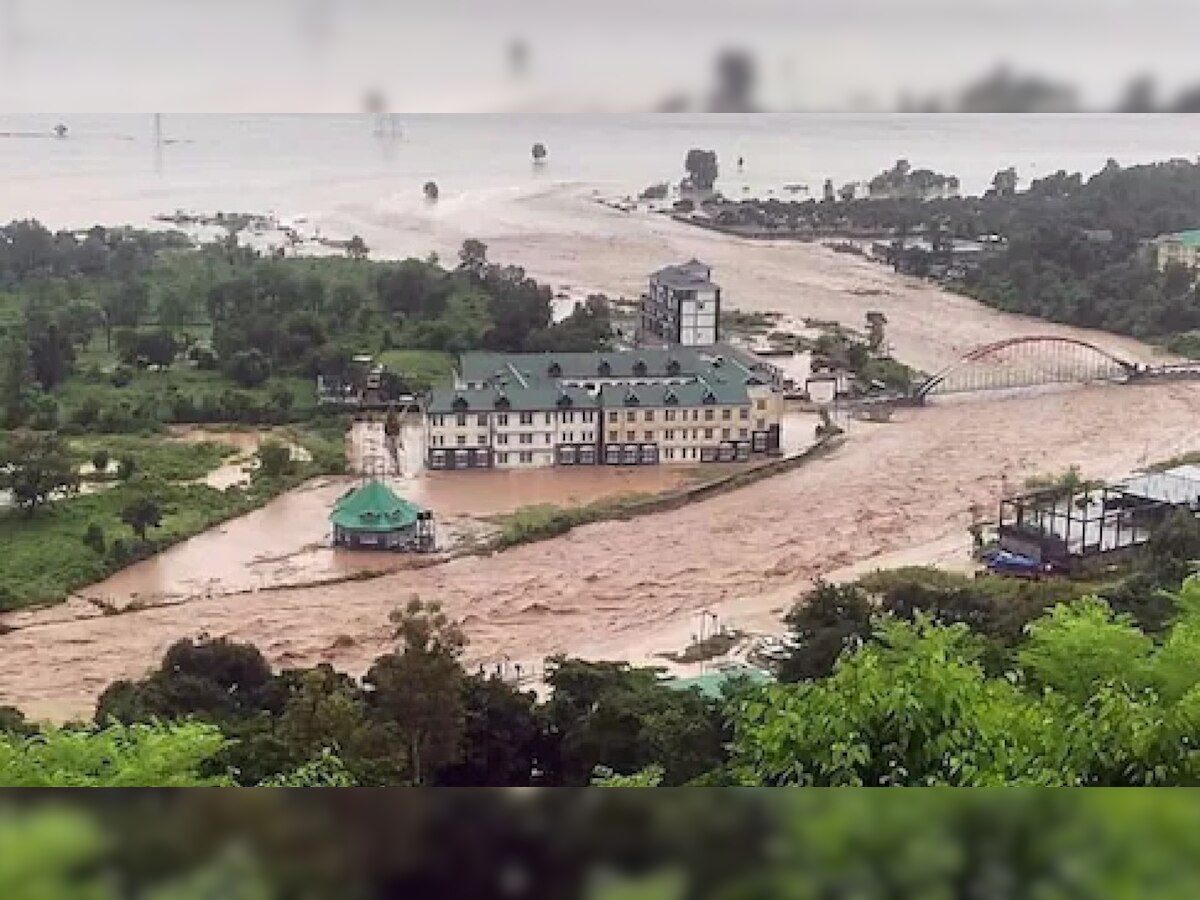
pixel 34 466
pixel 828 621
pixel 274 459
pixel 126 466
pixel 418 691
pixel 701 166
pixel 142 513
pixel 249 368
pixel 356 248
pixel 16 380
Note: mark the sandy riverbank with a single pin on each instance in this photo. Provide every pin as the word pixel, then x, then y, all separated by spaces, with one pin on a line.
pixel 627 589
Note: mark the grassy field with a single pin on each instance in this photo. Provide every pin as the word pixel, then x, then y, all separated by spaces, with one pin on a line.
pixel 421 367
pixel 158 458
pixel 45 557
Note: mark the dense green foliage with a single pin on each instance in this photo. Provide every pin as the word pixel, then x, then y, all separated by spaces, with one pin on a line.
pixel 1072 250
pixel 121 330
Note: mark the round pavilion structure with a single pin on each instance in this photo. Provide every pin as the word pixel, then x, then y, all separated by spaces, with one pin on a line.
pixel 373 517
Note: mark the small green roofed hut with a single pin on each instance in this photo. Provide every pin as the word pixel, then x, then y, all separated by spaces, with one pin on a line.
pixel 373 517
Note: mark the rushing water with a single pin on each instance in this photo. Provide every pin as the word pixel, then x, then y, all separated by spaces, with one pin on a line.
pixel 325 168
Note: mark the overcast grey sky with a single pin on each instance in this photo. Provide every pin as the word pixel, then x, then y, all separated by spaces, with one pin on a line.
pixel 456 55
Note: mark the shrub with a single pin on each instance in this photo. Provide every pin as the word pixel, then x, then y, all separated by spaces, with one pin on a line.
pixel 121 376
pixel 94 538
pixel 126 466
pixel 275 459
pixel 100 460
pixel 249 368
pixel 120 552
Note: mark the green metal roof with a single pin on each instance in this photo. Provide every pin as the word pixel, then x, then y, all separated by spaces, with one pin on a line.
pixel 373 508
pixel 713 684
pixel 694 393
pixel 509 397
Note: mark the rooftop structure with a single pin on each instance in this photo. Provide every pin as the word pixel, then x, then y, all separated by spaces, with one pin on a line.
pixel 372 516
pixel 682 306
pixel 1066 526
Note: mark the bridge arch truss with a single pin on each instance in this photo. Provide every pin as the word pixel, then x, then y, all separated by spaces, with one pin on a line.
pixel 1027 362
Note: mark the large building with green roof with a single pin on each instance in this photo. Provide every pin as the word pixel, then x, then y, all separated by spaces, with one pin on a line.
pixel 1181 248
pixel 631 407
pixel 373 517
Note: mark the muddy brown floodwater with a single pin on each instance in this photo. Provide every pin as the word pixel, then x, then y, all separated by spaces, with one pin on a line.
pixel 606 589
pixel 625 589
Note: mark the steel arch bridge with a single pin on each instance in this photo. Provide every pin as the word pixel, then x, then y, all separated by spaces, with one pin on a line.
pixel 1027 362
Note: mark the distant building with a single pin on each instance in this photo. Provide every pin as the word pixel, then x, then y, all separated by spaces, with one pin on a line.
pixel 682 306
pixel 637 407
pixel 1182 248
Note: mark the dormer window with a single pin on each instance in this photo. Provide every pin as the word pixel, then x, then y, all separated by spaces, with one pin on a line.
pixel 639 368
pixel 604 369
pixel 709 398
pixel 631 399
pixel 565 400
pixel 670 398
pixel 502 402
pixel 554 370
pixel 460 403
pixel 673 367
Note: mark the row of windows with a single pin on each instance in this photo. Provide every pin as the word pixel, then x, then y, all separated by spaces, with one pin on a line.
pixel 502 419
pixel 669 434
pixel 669 415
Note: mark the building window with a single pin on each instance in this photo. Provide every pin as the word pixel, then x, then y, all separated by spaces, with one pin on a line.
pixel 648 435
pixel 760 404
pixel 669 415
pixel 526 456
pixel 726 415
pixel 502 439
pixel 709 414
pixel 549 418
pixel 649 415
pixel 669 435
pixel 549 439
pixel 724 434
pixel 612 417
pixel 439 458
pixel 502 458
pixel 482 420
pixel 743 413
pixel 631 416
pixel 760 425
pixel 743 433
pixel 525 438
pixel 462 440
pixel 462 420
pixel 612 435
pixel 695 415
pixel 708 433
pixel 527 418
pixel 631 435
pixel 481 440
pixel 502 419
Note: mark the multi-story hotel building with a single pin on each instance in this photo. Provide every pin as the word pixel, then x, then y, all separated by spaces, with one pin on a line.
pixel 638 407
pixel 682 306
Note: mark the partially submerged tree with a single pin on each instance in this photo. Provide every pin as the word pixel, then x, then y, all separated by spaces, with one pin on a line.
pixel 701 166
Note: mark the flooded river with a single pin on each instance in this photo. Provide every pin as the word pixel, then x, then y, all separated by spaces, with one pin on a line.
pixel 625 589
